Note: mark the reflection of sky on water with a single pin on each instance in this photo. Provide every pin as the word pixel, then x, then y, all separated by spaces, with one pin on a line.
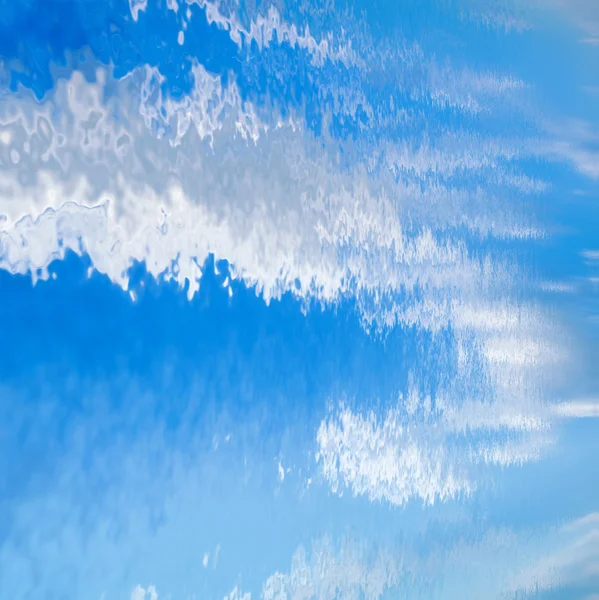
pixel 315 302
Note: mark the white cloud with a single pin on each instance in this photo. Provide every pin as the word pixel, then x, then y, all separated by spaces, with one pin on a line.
pixel 270 29
pixel 493 413
pixel 557 287
pixel 174 180
pixel 470 91
pixel 237 594
pixel 139 593
pixel 137 6
pixel 573 141
pixel 171 181
pixel 523 15
pixel 578 409
pixel 568 557
pixel 384 460
pixel 496 563
pixel 583 14
pixel 329 572
pixel 281 213
pixel 590 255
pixel 431 457
pixel 516 350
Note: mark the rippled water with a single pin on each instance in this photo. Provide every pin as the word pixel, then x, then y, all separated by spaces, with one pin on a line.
pixel 299 300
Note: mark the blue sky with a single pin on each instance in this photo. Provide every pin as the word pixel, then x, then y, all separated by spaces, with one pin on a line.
pixel 299 300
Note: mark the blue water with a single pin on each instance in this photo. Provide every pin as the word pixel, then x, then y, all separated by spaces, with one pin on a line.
pixel 298 300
